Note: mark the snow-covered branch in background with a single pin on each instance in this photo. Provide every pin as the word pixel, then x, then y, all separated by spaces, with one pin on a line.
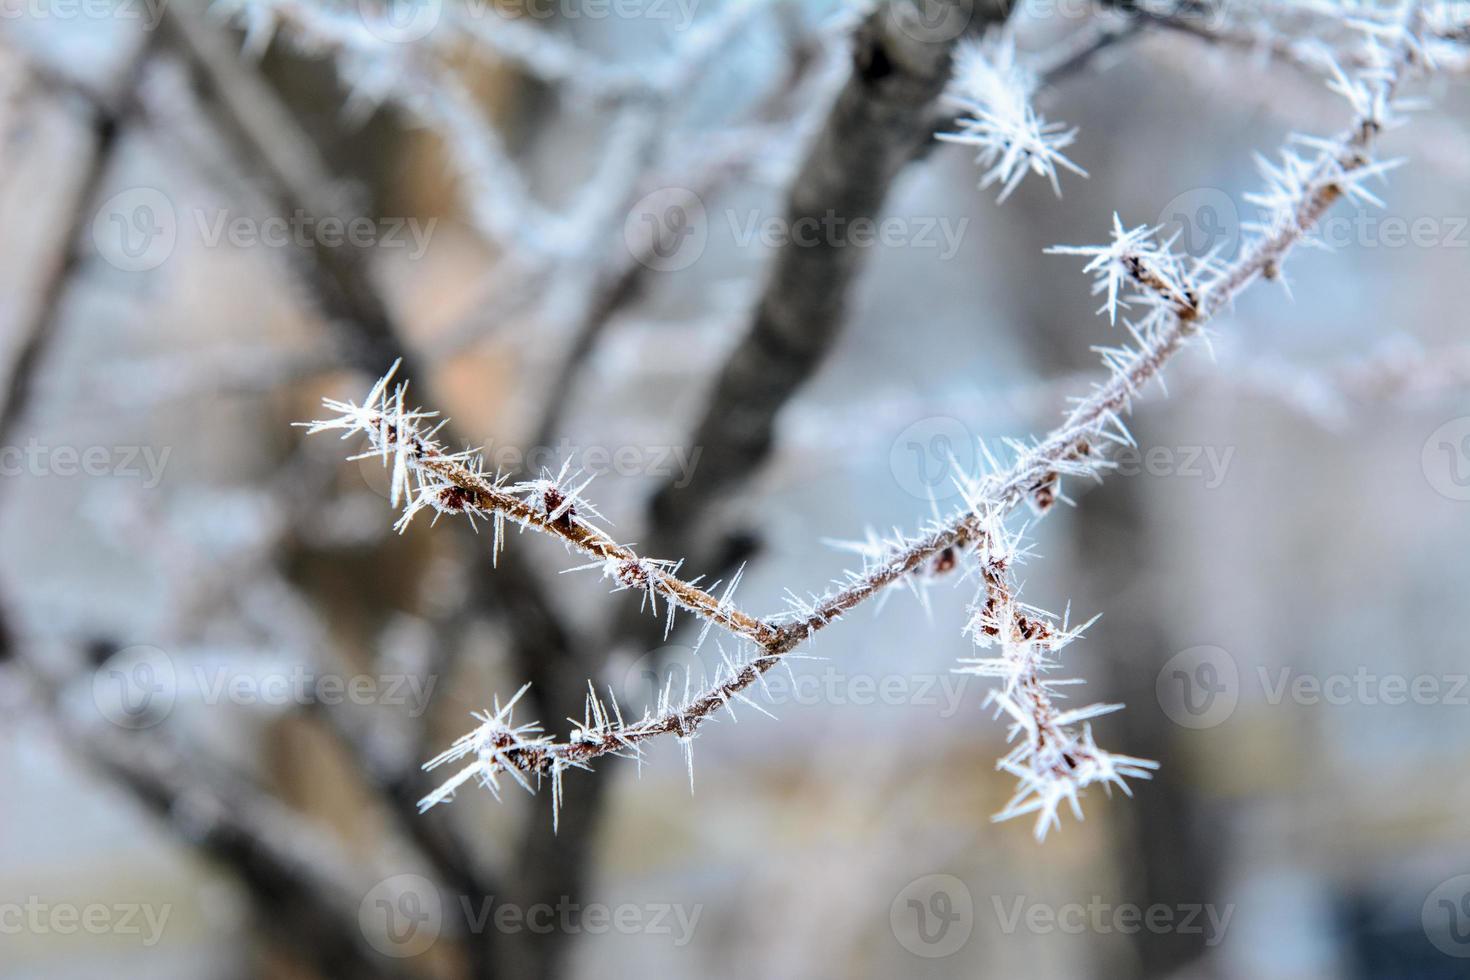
pixel 420 79
pixel 1314 36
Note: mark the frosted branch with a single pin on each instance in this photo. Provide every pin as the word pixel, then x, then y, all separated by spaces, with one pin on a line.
pixel 1165 301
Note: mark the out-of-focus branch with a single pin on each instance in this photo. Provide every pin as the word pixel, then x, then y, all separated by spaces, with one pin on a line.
pixel 104 121
pixel 881 116
pixel 295 873
pixel 343 284
pixel 270 148
pixel 262 131
pixel 784 116
pixel 1254 29
pixel 306 888
pixel 420 80
pixel 1081 48
pixel 540 643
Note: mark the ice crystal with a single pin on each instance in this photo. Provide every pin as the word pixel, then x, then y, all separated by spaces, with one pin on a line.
pixel 993 91
pixel 1055 757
